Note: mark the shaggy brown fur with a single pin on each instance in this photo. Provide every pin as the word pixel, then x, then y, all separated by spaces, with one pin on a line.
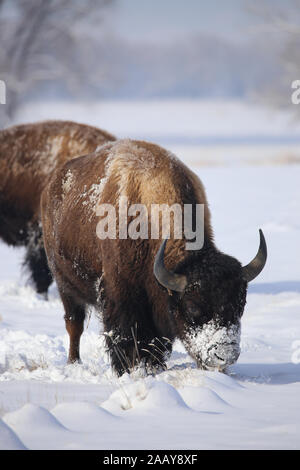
pixel 28 155
pixel 116 275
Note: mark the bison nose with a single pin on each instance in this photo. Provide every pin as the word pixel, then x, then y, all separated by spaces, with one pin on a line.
pixel 223 355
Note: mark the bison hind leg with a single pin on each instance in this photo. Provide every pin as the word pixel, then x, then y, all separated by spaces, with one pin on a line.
pixel 36 260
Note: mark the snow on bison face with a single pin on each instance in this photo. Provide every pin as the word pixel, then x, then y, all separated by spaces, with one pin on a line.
pixel 208 314
pixel 208 299
pixel 212 346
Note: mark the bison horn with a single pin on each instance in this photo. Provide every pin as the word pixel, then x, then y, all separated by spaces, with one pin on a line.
pixel 252 270
pixel 168 279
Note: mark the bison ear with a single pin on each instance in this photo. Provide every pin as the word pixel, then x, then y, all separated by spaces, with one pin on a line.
pixel 168 279
pixel 252 270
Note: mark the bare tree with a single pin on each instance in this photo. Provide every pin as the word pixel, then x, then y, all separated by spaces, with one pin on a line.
pixel 279 32
pixel 44 40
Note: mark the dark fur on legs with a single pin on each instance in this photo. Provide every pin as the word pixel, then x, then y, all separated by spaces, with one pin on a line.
pixel 36 260
pixel 127 353
pixel 74 320
pixel 134 342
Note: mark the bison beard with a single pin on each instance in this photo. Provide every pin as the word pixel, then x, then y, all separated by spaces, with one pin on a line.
pixel 28 155
pixel 148 292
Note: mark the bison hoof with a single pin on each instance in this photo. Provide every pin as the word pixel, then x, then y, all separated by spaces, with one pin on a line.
pixel 74 361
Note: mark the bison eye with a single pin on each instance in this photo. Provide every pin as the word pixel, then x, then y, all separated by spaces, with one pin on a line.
pixel 192 308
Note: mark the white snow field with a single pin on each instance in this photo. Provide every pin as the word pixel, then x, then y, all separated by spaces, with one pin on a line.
pixel 46 404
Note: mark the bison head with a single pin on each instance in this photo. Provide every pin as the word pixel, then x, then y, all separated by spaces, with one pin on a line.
pixel 208 300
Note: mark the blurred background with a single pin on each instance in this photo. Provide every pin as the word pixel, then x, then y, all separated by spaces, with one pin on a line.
pixel 207 79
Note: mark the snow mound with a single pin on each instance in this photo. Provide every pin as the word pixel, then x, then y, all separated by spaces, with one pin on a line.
pixel 204 399
pixel 83 416
pixel 38 428
pixel 149 394
pixel 32 415
pixel 8 439
pixel 164 395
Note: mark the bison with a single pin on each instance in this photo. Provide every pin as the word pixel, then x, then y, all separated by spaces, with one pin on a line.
pixel 28 155
pixel 148 291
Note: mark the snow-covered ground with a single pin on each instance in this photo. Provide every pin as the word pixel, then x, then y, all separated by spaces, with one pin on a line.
pixel 46 404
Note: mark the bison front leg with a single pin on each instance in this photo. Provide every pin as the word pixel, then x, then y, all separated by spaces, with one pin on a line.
pixel 133 340
pixel 128 352
pixel 74 320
